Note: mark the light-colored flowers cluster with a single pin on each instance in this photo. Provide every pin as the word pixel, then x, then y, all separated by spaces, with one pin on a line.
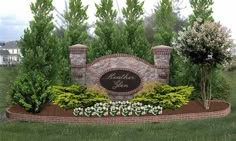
pixel 124 108
pixel 208 41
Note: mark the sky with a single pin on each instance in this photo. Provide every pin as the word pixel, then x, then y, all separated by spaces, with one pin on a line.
pixel 15 14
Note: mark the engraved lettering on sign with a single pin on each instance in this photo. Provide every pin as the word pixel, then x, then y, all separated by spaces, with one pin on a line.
pixel 119 84
pixel 124 76
pixel 120 80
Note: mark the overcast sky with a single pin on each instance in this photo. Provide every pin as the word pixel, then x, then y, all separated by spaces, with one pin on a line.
pixel 15 14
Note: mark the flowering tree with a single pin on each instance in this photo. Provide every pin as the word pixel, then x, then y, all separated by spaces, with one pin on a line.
pixel 206 45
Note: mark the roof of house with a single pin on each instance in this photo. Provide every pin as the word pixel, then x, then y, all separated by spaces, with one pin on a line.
pixel 2 43
pixel 4 52
pixel 10 45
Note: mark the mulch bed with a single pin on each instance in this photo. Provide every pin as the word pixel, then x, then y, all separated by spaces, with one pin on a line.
pixel 191 107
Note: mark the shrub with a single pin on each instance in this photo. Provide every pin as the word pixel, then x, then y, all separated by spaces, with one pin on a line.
pixel 70 97
pixel 220 88
pixel 164 95
pixel 29 91
pixel 58 90
pixel 97 90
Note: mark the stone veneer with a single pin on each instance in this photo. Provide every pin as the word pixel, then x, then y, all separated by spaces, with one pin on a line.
pixel 89 74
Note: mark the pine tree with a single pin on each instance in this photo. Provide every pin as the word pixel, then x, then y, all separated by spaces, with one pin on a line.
pixel 134 29
pixel 75 33
pixel 201 9
pixel 165 23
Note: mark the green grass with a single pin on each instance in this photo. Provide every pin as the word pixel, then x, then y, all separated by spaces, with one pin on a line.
pixel 222 129
pixel 7 76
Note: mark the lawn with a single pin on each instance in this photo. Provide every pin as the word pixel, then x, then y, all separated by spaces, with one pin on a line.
pixel 7 76
pixel 222 129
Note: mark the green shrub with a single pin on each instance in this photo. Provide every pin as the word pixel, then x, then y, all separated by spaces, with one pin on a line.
pixel 164 95
pixel 220 88
pixel 58 90
pixel 97 90
pixel 29 91
pixel 74 96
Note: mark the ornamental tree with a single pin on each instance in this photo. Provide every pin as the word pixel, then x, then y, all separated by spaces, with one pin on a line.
pixel 205 44
pixel 191 75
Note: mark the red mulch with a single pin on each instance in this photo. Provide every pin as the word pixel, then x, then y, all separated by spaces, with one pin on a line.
pixel 191 107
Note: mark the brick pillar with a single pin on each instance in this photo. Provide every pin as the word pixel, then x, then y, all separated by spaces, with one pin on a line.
pixel 78 57
pixel 162 56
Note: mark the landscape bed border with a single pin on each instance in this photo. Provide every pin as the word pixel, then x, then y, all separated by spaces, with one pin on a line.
pixel 118 119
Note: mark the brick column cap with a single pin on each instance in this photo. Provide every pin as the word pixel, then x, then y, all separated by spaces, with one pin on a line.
pixel 161 47
pixel 162 50
pixel 78 49
pixel 78 46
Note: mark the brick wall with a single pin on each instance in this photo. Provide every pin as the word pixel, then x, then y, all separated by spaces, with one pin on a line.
pixel 117 119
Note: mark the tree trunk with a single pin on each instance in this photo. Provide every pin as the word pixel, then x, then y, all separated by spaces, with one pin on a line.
pixel 204 87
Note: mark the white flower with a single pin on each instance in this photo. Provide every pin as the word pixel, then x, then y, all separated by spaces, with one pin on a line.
pixel 78 111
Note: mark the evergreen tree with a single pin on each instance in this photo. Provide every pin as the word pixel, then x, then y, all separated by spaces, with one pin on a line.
pixel 165 31
pixel 109 33
pixel 102 43
pixel 39 67
pixel 134 29
pixel 38 45
pixel 75 33
pixel 165 23
pixel 201 9
pixel 75 18
pixel 153 22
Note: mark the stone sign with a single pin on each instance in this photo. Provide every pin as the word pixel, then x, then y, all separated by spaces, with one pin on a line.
pixel 122 75
pixel 120 81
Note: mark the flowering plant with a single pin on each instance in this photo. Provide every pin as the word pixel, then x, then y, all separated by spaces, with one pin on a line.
pixel 78 111
pixel 156 110
pixel 101 109
pixel 89 111
pixel 125 104
pixel 206 44
pixel 138 108
pixel 114 110
pixel 127 111
pixel 124 108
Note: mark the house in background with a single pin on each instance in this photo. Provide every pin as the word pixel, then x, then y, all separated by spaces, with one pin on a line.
pixel 2 44
pixel 13 56
pixel 4 57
